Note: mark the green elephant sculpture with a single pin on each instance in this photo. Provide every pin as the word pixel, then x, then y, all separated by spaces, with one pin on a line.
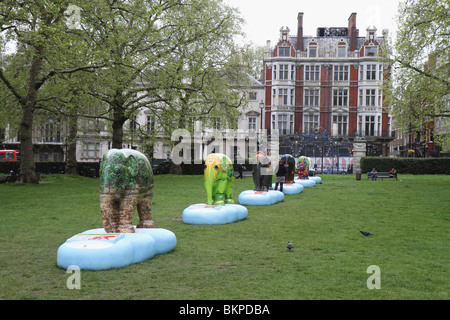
pixel 218 179
pixel 126 183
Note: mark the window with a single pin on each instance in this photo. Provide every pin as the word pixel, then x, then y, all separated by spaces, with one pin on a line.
pixel 370 97
pixel 292 97
pixel 340 125
pixel 284 72
pixel 310 122
pixel 380 72
pixel 340 97
pixel 150 123
pixel 292 72
pixel 284 51
pixel 282 97
pixel 312 48
pixel 370 51
pixel 342 51
pixel 312 73
pixel 252 95
pixel 311 97
pixel 370 126
pixel 252 123
pixel 91 150
pixel 371 72
pixel 274 72
pixel 133 124
pixel 52 133
pixel 341 73
pixel 284 123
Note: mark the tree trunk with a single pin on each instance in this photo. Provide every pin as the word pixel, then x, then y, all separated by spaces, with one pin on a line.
pixel 117 126
pixel 27 165
pixel 71 161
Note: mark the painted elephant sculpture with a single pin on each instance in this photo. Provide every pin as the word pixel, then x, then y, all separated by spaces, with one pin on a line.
pixel 218 179
pixel 289 162
pixel 303 168
pixel 262 172
pixel 126 183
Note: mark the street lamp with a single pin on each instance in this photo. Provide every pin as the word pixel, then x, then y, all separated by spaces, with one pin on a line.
pixel 261 106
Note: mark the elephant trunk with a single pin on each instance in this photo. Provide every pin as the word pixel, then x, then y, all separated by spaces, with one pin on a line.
pixel 210 175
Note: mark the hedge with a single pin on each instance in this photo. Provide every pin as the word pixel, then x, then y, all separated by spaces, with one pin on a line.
pixel 403 165
pixel 88 169
pixel 407 165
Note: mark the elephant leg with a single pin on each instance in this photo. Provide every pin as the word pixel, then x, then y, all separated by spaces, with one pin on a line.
pixel 127 206
pixel 144 207
pixel 229 191
pixel 107 211
pixel 219 194
pixel 209 193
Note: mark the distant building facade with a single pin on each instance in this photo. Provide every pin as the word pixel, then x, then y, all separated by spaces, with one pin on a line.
pixel 330 82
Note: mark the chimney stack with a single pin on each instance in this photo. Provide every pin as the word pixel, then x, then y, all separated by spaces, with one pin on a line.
pixel 300 31
pixel 352 31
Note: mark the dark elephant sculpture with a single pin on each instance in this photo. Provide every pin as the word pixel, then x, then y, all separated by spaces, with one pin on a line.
pixel 262 172
pixel 289 162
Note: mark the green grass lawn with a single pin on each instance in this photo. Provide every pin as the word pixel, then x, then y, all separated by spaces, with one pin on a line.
pixel 243 260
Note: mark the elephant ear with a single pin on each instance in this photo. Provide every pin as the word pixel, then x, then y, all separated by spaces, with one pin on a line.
pixel 132 165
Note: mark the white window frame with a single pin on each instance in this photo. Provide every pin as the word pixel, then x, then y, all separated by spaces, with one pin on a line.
pixel 340 97
pixel 311 121
pixel 312 72
pixel 312 97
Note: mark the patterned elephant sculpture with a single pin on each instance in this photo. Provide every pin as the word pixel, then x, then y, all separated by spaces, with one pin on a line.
pixel 289 162
pixel 126 183
pixel 262 172
pixel 303 168
pixel 218 179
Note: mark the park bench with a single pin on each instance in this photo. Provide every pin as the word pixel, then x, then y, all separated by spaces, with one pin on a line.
pixel 8 178
pixel 244 174
pixel 379 175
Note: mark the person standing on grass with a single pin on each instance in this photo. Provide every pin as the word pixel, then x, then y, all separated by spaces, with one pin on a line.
pixel 374 174
pixel 240 171
pixel 281 176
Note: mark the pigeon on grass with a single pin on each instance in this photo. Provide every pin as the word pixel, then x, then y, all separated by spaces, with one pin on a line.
pixel 289 246
pixel 366 234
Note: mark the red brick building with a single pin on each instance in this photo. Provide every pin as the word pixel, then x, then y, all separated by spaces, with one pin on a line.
pixel 328 82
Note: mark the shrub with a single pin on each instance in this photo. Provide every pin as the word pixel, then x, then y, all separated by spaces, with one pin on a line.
pixel 407 165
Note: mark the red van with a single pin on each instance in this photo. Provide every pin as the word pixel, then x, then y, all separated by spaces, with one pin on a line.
pixel 9 155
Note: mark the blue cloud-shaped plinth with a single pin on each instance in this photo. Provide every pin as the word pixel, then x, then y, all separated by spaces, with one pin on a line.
pixel 260 198
pixel 290 188
pixel 201 213
pixel 305 182
pixel 97 250
pixel 317 179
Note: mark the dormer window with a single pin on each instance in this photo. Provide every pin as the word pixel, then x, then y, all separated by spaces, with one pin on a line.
pixel 312 49
pixel 342 49
pixel 371 50
pixel 284 51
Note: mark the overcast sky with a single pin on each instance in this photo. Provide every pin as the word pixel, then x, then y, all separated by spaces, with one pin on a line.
pixel 264 18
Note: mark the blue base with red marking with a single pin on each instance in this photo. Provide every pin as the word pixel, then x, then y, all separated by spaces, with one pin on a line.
pixel 98 250
pixel 210 214
pixel 260 198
